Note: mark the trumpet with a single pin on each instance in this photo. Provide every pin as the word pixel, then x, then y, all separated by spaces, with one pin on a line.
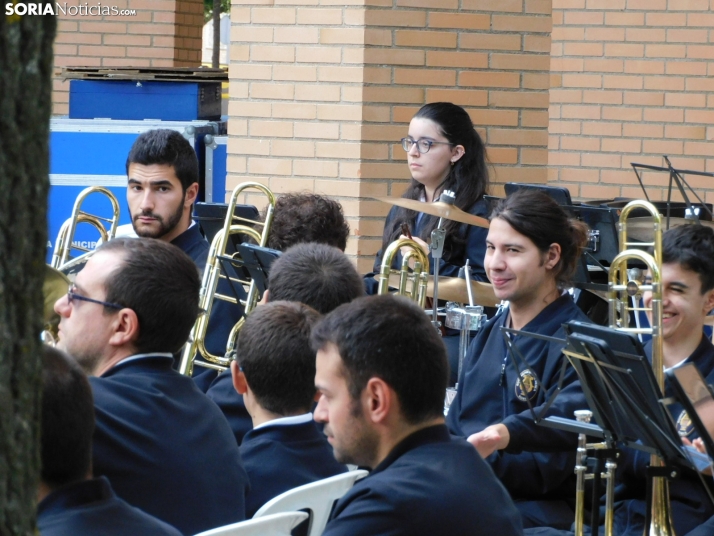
pixel 418 277
pixel 212 274
pixel 64 243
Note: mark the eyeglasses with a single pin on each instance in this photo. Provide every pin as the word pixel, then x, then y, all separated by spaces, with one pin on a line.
pixel 71 295
pixel 423 145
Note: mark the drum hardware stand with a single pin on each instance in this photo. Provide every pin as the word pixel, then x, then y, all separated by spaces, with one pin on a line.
pixel 436 247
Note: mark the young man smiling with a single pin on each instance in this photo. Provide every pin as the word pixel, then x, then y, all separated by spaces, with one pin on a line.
pixel 532 250
pixel 687 297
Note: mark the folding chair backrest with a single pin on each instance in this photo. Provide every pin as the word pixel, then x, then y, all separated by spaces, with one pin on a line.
pixel 272 525
pixel 318 497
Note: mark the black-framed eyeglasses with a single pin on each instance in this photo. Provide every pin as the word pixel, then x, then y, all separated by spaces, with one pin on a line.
pixel 423 145
pixel 71 295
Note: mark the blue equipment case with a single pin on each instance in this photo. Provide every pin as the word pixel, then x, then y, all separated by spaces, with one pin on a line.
pixel 216 168
pixel 93 153
pixel 144 100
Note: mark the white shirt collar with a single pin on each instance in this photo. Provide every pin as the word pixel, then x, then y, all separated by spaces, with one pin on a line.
pixel 136 357
pixel 285 421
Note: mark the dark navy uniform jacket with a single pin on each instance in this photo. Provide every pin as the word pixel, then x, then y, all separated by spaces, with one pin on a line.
pixel 231 403
pixel 282 457
pixel 165 447
pixel 690 504
pixel 90 508
pixel 429 484
pixel 224 315
pixel 706 529
pixel 490 394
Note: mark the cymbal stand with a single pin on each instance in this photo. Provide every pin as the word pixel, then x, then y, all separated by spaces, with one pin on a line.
pixel 438 237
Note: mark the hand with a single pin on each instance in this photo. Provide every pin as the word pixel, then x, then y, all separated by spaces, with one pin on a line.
pixel 487 441
pixel 423 245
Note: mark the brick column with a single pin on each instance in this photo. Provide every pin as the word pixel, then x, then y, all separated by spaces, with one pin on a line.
pixel 160 33
pixel 632 81
pixel 322 93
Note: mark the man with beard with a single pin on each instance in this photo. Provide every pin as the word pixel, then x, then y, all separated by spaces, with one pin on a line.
pixel 162 172
pixel 381 372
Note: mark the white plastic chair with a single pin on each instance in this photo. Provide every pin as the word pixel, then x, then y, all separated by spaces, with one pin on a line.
pixel 318 497
pixel 273 525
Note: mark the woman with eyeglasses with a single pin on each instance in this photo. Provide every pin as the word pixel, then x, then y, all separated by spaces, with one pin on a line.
pixel 444 152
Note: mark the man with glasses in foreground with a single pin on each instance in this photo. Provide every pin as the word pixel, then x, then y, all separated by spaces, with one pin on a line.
pixel 158 439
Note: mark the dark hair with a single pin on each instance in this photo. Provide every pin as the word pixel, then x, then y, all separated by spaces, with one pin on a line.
pixel 160 283
pixel 539 218
pixel 391 338
pixel 317 275
pixel 307 217
pixel 67 420
pixel 467 178
pixel 275 355
pixel 166 147
pixel 692 246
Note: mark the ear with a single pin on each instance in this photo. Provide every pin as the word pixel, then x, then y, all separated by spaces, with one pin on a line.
pixel 456 153
pixel 125 328
pixel 266 297
pixel 378 400
pixel 191 195
pixel 239 381
pixel 708 301
pixel 552 256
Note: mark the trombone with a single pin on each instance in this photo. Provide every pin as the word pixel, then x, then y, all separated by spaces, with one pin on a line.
pixel 65 237
pixel 212 274
pixel 621 289
pixel 619 295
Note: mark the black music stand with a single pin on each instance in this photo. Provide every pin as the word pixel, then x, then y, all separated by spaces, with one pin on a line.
pixel 256 260
pixel 676 177
pixel 559 194
pixel 621 390
pixel 211 216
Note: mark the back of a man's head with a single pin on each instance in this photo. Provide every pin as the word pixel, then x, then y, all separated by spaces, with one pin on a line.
pixel 276 358
pixel 391 338
pixel 67 421
pixel 691 246
pixel 307 217
pixel 160 283
pixel 317 275
pixel 165 147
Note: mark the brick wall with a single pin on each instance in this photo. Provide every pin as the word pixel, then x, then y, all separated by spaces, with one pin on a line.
pixel 632 80
pixel 162 33
pixel 322 90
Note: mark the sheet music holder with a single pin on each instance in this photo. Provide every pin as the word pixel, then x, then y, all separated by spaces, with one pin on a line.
pixel 620 387
pixel 676 177
pixel 211 216
pixel 257 261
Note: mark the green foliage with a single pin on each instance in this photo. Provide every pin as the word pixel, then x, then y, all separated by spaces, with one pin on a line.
pixel 208 8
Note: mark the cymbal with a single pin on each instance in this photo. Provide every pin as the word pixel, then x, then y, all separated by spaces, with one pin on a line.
pixel 643 228
pixel 455 289
pixel 440 209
